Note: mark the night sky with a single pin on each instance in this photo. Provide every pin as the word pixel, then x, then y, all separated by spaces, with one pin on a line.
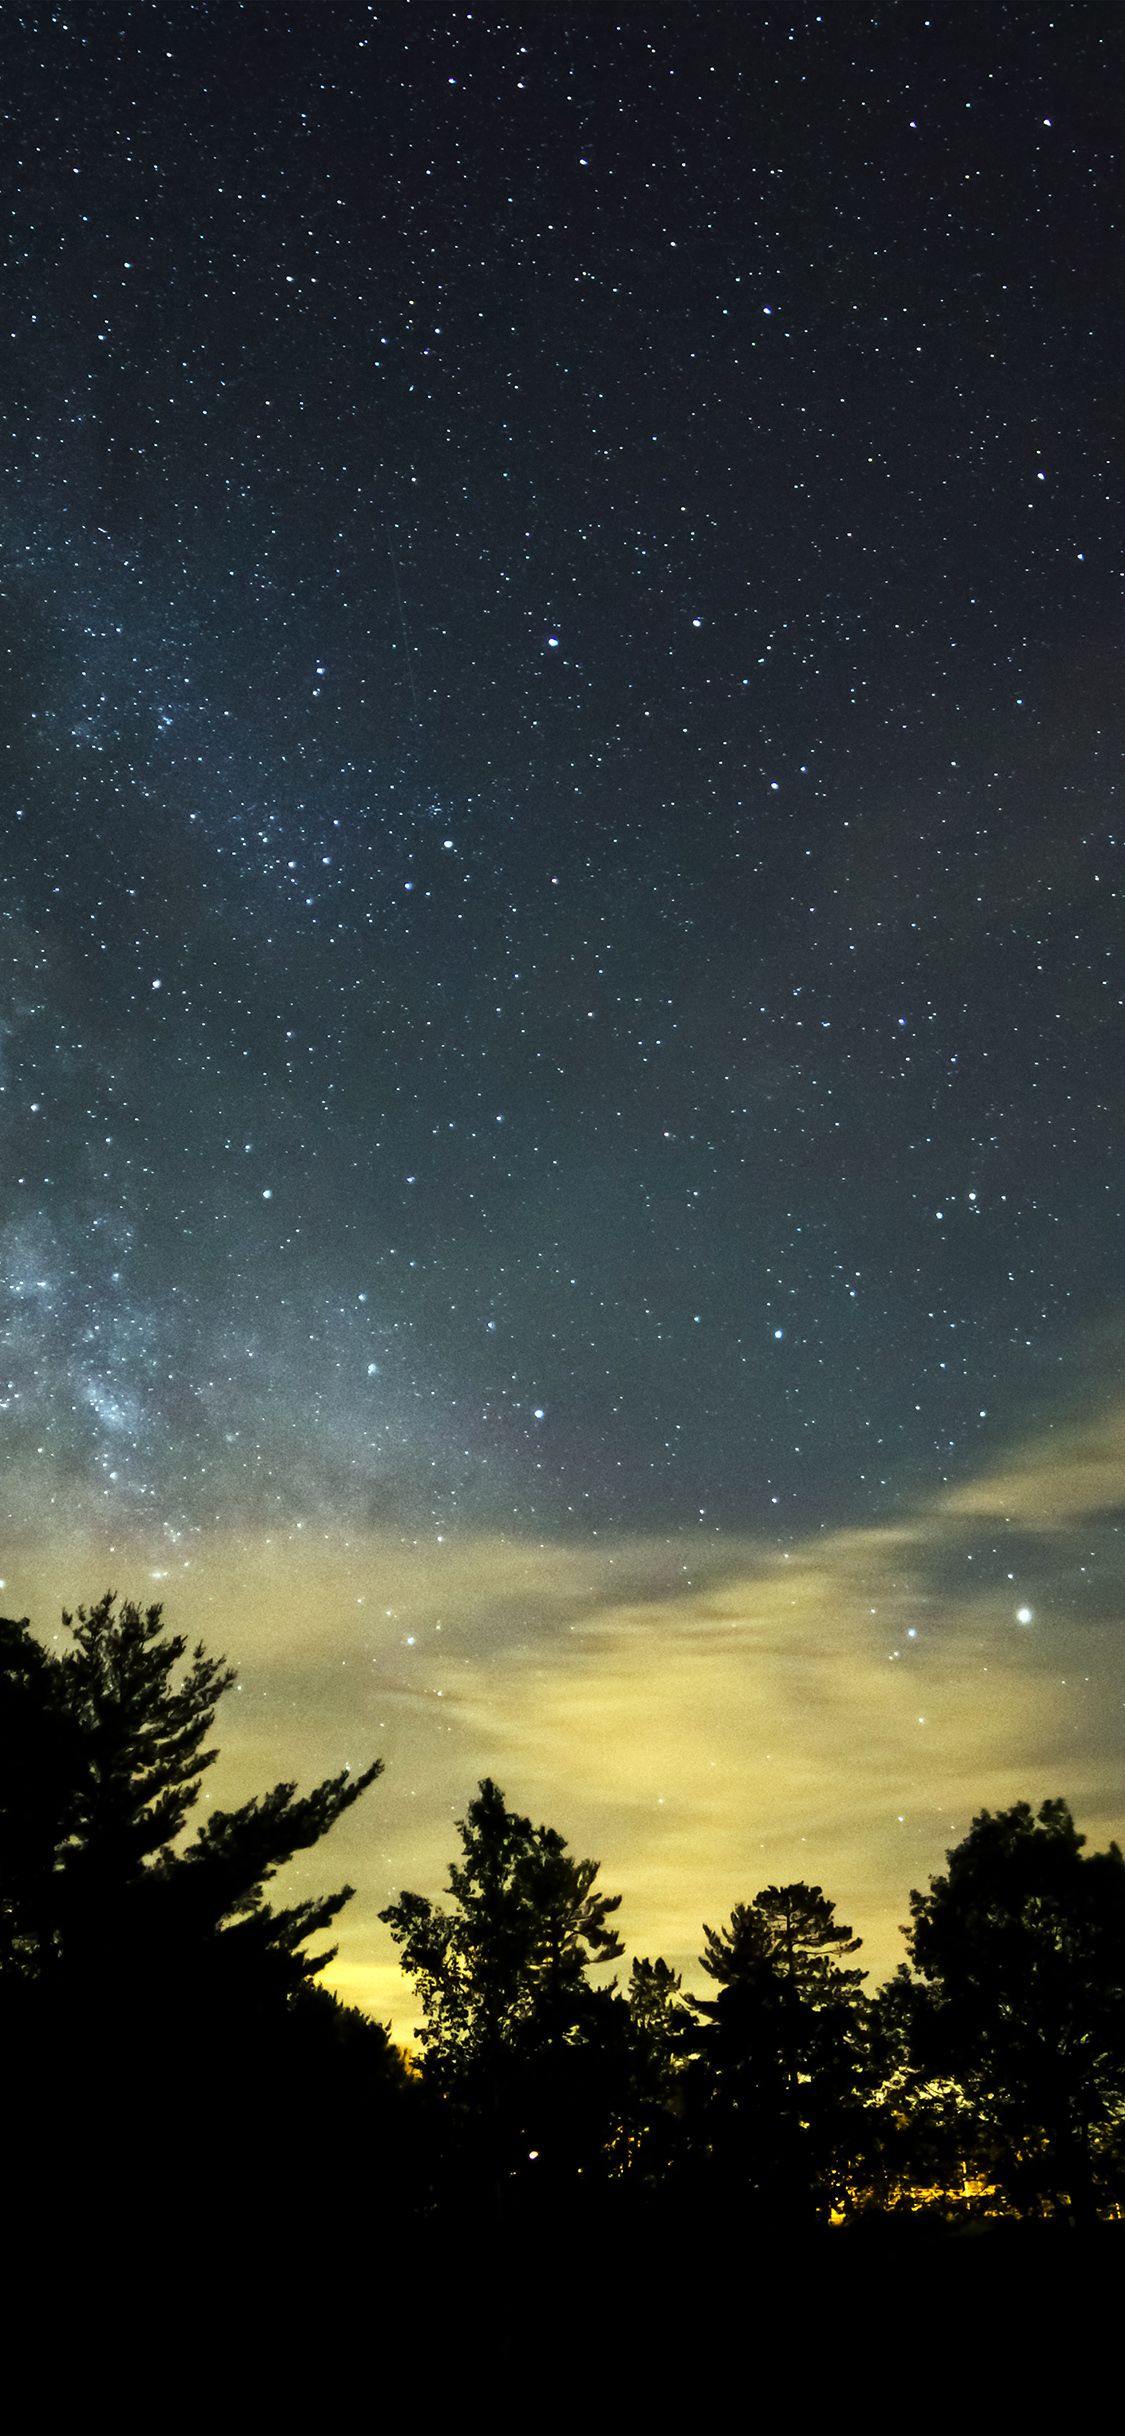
pixel 561 1149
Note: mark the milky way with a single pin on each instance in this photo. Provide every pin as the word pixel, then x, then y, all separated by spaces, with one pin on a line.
pixel 562 728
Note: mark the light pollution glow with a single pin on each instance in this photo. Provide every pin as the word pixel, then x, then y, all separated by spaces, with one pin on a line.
pixel 706 1716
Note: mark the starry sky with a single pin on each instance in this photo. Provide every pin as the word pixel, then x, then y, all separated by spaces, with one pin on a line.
pixel 561 1039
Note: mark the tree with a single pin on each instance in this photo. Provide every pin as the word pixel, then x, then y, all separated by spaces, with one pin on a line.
pixel 108 1918
pixel 662 2039
pixel 659 2015
pixel 782 2073
pixel 1017 1992
pixel 39 1763
pixel 514 1953
pixel 511 2025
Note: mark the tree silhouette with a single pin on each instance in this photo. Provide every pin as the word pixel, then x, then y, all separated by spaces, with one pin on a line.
pixel 515 1951
pixel 117 1935
pixel 1017 1992
pixel 39 1765
pixel 782 2071
pixel 514 2036
pixel 660 2014
pixel 663 2039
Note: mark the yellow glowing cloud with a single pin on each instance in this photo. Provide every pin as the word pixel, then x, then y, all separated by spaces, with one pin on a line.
pixel 1053 1482
pixel 704 1715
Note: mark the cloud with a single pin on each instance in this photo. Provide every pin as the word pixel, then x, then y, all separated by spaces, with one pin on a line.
pixel 704 1715
pixel 1051 1482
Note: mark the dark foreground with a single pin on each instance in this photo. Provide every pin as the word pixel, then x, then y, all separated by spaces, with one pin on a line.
pixel 251 2319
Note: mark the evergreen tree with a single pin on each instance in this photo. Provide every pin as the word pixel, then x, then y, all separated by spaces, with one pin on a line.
pixel 524 2050
pixel 107 1915
pixel 39 1768
pixel 659 2014
pixel 782 2074
pixel 512 1957
pixel 662 2040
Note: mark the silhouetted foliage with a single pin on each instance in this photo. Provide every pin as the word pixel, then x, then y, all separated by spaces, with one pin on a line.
pixel 515 1951
pixel 120 1937
pixel 662 2041
pixel 783 2068
pixel 140 1959
pixel 661 2018
pixel 39 1767
pixel 1017 1996
pixel 513 2034
pixel 90 1849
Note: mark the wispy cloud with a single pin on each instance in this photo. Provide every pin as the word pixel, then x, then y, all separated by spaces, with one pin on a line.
pixel 704 1715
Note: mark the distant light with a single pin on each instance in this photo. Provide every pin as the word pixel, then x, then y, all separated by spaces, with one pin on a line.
pixel 267 1192
pixel 777 1335
pixel 1025 1615
pixel 552 642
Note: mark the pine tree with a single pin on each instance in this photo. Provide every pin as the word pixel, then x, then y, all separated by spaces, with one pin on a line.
pixel 528 2057
pixel 512 1957
pixel 103 1904
pixel 663 2037
pixel 781 2070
